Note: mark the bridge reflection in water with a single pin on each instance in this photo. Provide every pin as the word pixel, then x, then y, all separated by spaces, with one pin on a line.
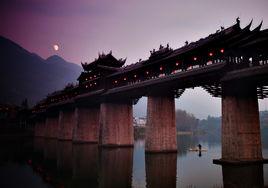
pixel 64 164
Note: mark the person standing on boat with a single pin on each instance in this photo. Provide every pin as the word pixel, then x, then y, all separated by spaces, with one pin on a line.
pixel 199 147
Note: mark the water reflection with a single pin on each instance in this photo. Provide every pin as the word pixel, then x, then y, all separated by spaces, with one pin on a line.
pixel 242 176
pixel 116 167
pixel 53 163
pixel 161 170
pixel 85 165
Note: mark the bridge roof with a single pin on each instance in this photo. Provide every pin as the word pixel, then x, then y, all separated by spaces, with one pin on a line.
pixel 104 61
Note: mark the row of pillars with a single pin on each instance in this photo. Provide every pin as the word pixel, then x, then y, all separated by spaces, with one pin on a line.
pixel 110 124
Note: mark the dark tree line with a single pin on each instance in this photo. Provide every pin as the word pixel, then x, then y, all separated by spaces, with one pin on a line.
pixel 186 121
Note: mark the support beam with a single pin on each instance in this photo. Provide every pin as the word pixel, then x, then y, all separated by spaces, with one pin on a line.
pixel 241 139
pixel 66 125
pixel 116 122
pixel 161 134
pixel 87 125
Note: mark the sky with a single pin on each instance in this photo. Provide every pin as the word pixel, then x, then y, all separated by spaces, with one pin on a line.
pixel 130 28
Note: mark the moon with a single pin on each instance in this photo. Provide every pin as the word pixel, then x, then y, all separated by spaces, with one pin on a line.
pixel 56 47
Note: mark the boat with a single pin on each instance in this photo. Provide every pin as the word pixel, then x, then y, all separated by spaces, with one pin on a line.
pixel 197 149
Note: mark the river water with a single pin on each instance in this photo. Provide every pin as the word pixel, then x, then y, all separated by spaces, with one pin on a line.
pixel 41 163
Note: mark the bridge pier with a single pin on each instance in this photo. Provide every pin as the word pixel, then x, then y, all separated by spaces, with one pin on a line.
pixel 161 134
pixel 116 124
pixel 66 124
pixel 241 138
pixel 87 124
pixel 39 128
pixel 52 126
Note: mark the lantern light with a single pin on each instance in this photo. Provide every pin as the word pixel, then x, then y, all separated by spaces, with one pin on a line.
pixel 195 58
pixel 210 54
pixel 115 81
pixel 125 78
pixel 177 63
pixel 222 50
pixel 147 72
pixel 135 76
pixel 161 68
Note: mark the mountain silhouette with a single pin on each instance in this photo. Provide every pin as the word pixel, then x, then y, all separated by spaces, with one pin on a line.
pixel 26 75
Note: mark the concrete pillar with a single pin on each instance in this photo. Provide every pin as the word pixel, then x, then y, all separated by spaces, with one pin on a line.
pixel 87 124
pixel 116 122
pixel 161 133
pixel 116 167
pixel 52 126
pixel 161 170
pixel 66 124
pixel 37 129
pixel 243 176
pixel 241 139
pixel 40 129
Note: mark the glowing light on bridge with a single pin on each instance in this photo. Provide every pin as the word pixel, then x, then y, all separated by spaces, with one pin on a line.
pixel 125 78
pixel 195 58
pixel 210 54
pixel 222 50
pixel 115 82
pixel 135 76
pixel 147 72
pixel 161 68
pixel 177 63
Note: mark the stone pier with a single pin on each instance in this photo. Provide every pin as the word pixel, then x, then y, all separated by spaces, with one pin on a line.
pixel 241 139
pixel 116 124
pixel 87 125
pixel 161 134
pixel 40 128
pixel 66 124
pixel 52 126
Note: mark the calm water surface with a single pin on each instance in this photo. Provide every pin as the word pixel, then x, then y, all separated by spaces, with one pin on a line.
pixel 51 163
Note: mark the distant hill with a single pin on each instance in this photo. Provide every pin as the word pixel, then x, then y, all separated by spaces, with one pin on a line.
pixel 27 75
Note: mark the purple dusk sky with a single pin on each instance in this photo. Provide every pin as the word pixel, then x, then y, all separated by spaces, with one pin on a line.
pixel 130 28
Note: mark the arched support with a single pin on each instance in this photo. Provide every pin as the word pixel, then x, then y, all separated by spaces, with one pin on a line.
pixel 241 139
pixel 161 134
pixel 86 124
pixel 66 124
pixel 116 124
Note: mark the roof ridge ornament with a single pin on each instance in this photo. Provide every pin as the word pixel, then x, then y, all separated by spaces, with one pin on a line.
pixel 258 28
pixel 238 21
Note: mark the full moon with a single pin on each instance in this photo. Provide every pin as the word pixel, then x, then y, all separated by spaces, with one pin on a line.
pixel 56 47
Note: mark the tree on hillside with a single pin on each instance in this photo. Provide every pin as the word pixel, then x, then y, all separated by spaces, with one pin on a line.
pixel 185 121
